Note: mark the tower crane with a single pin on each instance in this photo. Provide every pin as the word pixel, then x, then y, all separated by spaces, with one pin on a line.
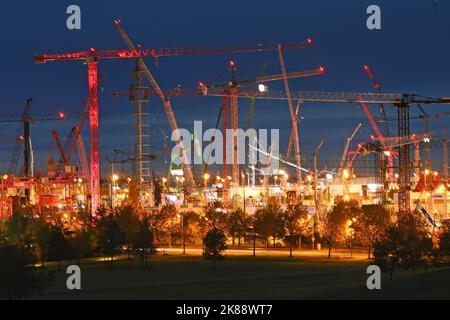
pixel 230 107
pixel 401 101
pixel 92 57
pixel 346 149
pixel 26 119
pixel 426 117
pixel 377 86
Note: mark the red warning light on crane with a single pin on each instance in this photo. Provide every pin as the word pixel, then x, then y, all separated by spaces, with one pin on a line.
pixel 61 115
pixel 321 69
pixel 232 64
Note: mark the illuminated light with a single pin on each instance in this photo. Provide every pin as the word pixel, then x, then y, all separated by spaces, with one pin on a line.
pixel 366 67
pixel 345 173
pixel 286 176
pixel 117 21
pixel 61 115
pixel 21 138
pixel 427 172
pixel 309 40
pixel 177 172
pixel 435 173
pixel 206 176
pixel 92 49
pixel 5 177
pixel 201 84
pixel 346 198
pixel 387 153
pixel 329 176
pixel 426 140
pixel 373 187
pixel 321 69
pixel 263 88
pixel 232 64
pixel 164 180
pixel 229 178
pixel 115 177
pixel 372 137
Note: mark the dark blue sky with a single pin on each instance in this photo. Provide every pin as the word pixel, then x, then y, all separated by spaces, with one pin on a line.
pixel 410 54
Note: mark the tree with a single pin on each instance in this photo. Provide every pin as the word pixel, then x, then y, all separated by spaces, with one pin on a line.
pixel 217 215
pixel 291 219
pixel 416 243
pixel 333 224
pixel 16 229
pixel 109 236
pixel 215 244
pixel 59 247
pixel 236 225
pixel 18 275
pixel 407 244
pixel 444 242
pixel 166 224
pixel 386 250
pixel 369 223
pixel 194 227
pixel 82 244
pixel 267 223
pixel 40 232
pixel 129 224
pixel 143 242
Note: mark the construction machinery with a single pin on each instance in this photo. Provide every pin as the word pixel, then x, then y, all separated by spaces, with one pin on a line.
pixel 401 101
pixel 229 109
pixel 92 57
pixel 26 119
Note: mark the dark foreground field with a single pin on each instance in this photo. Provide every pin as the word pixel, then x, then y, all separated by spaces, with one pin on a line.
pixel 191 277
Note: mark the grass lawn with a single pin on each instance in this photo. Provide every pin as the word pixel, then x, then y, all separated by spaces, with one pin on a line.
pixel 191 277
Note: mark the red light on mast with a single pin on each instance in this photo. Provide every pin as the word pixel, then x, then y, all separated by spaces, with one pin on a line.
pixel 309 40
pixel 201 84
pixel 321 69
pixel 366 67
pixel 232 64
pixel 61 115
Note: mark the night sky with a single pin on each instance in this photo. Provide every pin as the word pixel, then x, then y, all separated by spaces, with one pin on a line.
pixel 411 54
